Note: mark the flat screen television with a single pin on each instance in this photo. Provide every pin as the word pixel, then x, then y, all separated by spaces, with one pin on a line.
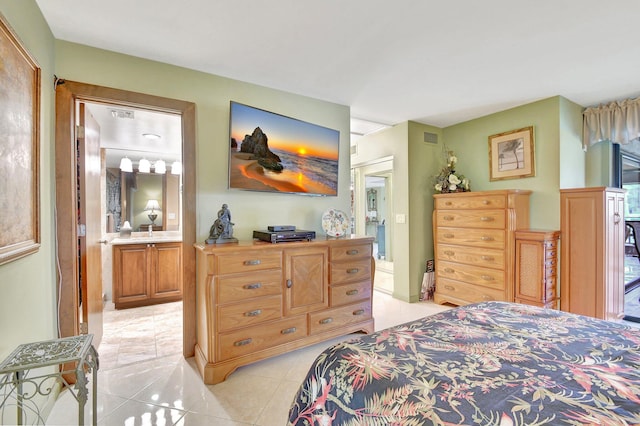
pixel 273 153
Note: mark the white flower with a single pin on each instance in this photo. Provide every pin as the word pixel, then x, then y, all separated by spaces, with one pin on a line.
pixel 439 187
pixel 465 183
pixel 453 179
pixel 453 159
pixel 453 187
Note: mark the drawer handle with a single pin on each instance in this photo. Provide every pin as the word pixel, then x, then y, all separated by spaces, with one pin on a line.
pixel 487 277
pixel 449 253
pixel 487 219
pixel 449 287
pixel 485 297
pixel 252 286
pixel 448 235
pixel 487 258
pixel 326 321
pixel 485 238
pixel 252 262
pixel 253 313
pixel 242 342
pixel 448 203
pixel 352 292
pixel 449 270
pixel 289 283
pixel 448 218
pixel 352 252
pixel 358 312
pixel 288 330
pixel 352 271
pixel 486 202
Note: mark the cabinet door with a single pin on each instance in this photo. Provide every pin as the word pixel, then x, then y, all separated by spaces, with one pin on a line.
pixel 306 280
pixel 130 274
pixel 167 270
pixel 613 304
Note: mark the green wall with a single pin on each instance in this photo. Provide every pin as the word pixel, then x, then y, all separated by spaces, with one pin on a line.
pixel 470 142
pixel 211 94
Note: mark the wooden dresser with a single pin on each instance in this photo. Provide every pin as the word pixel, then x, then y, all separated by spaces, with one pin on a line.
pixel 255 300
pixel 474 238
pixel 592 252
pixel 537 268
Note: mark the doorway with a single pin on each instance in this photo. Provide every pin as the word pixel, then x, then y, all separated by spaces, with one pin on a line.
pixel 629 172
pixel 68 93
pixel 373 213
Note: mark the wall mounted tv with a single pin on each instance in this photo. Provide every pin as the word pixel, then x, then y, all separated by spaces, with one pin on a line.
pixel 273 153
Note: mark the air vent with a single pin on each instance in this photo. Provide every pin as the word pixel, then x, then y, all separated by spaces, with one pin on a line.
pixel 122 113
pixel 430 137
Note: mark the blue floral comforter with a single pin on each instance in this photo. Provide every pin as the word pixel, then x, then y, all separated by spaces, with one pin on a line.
pixel 490 363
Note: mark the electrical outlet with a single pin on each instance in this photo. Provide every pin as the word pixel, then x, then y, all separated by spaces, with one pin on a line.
pixel 401 218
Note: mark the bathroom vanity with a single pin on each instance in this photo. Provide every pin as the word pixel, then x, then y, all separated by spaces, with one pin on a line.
pixel 146 271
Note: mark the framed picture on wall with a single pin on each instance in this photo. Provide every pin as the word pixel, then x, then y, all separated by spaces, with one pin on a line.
pixel 512 154
pixel 19 148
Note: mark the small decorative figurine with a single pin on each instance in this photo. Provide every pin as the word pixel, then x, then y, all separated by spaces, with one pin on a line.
pixel 222 229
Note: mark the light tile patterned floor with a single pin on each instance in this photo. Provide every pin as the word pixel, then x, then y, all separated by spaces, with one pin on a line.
pixel 144 380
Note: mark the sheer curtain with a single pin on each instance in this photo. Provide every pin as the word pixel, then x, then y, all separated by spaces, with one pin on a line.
pixel 618 122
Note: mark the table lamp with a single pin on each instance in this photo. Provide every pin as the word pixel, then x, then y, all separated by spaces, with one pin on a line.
pixel 152 206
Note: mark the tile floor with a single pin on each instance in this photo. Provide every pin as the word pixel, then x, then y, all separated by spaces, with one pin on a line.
pixel 144 380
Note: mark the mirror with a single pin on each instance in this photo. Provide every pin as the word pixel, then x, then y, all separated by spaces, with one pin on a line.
pixel 128 194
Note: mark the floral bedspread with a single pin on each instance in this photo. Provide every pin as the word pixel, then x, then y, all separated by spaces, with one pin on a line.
pixel 491 363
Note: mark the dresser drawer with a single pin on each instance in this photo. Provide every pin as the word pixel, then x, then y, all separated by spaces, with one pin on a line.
pixel 465 291
pixel 487 277
pixel 249 261
pixel 349 293
pixel 486 238
pixel 245 286
pixel 350 252
pixel 490 258
pixel 488 201
pixel 343 272
pixel 339 317
pixel 471 219
pixel 252 339
pixel 249 313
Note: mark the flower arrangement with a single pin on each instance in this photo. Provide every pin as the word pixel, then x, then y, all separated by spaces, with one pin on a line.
pixel 448 180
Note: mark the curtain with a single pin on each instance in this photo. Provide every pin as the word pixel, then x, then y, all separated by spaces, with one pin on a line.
pixel 618 122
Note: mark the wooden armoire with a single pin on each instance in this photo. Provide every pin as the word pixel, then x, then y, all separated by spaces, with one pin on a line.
pixel 592 252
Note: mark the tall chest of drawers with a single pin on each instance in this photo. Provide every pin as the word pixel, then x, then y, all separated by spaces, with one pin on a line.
pixel 474 238
pixel 255 300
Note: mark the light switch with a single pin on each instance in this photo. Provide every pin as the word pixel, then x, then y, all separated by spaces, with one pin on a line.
pixel 401 218
pixel 172 216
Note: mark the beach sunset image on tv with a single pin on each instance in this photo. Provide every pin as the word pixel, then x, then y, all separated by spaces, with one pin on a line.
pixel 271 152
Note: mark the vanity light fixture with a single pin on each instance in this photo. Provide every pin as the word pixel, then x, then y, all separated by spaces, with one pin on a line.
pixel 144 166
pixel 176 168
pixel 160 167
pixel 126 165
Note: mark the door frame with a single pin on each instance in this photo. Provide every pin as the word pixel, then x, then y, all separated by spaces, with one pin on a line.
pixel 67 93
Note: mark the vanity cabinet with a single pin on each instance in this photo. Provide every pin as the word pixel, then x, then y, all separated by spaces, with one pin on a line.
pixel 474 238
pixel 255 300
pixel 146 274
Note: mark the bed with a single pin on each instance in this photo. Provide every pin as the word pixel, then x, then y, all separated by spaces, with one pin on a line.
pixel 492 363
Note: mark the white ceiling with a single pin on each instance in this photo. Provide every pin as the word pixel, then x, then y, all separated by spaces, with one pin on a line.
pixel 438 62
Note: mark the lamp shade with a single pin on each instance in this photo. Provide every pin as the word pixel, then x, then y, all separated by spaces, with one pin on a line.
pixel 176 168
pixel 160 167
pixel 126 165
pixel 144 166
pixel 152 205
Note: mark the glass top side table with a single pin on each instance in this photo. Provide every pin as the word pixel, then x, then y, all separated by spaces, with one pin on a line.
pixel 75 355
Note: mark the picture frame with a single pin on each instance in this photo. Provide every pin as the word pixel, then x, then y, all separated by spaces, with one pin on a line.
pixel 512 154
pixel 19 145
pixel 270 152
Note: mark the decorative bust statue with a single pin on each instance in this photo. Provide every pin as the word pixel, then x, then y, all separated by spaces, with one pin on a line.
pixel 222 229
